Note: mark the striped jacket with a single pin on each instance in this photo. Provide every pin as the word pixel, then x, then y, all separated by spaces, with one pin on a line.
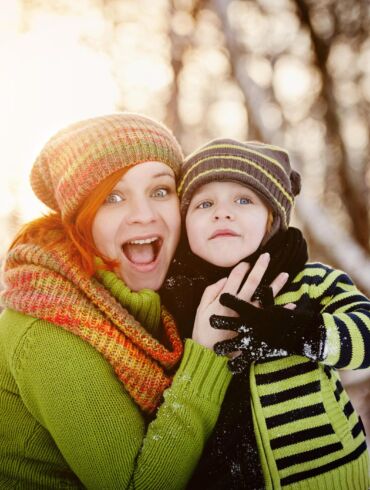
pixel 308 433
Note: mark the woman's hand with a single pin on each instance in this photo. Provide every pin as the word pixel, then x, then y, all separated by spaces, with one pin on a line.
pixel 209 305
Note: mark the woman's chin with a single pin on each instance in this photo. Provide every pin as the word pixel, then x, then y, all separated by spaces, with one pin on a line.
pixel 138 285
pixel 137 278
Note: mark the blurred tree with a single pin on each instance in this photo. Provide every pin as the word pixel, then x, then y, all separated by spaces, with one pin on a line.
pixel 300 68
pixel 290 72
pixel 330 23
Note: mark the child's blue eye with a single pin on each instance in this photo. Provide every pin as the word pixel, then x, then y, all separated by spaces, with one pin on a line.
pixel 204 205
pixel 243 200
pixel 113 198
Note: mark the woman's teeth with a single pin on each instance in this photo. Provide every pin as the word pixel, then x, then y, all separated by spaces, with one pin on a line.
pixel 142 251
pixel 142 242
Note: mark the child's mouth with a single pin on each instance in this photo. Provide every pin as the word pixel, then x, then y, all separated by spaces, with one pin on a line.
pixel 223 233
pixel 142 251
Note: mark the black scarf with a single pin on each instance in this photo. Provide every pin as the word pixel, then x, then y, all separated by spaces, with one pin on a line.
pixel 230 458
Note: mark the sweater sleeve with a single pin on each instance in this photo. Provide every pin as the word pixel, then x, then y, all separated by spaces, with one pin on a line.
pixel 346 317
pixel 73 393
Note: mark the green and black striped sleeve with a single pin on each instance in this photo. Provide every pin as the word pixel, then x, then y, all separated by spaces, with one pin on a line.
pixel 346 316
pixel 344 313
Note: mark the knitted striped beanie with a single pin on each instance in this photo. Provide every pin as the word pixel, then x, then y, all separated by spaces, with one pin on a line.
pixel 76 159
pixel 264 168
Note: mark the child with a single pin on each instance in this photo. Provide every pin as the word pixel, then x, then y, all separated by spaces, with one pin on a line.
pixel 236 199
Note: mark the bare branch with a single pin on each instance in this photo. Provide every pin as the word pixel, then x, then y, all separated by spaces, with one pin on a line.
pixel 343 251
pixel 352 198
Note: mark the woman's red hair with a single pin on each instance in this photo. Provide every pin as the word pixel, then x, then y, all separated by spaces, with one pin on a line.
pixel 74 236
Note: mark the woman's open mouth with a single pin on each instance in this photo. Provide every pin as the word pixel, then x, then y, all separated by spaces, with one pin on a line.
pixel 143 251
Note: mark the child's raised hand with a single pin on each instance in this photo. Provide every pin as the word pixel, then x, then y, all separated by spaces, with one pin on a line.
pixel 203 333
pixel 249 288
pixel 209 305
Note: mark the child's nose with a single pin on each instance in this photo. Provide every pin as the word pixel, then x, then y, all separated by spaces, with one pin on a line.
pixel 222 216
pixel 222 212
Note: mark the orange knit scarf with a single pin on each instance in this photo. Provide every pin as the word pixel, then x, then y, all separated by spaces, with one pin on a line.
pixel 49 286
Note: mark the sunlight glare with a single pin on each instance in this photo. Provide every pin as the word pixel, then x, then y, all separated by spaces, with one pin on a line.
pixel 227 118
pixel 292 80
pixel 48 80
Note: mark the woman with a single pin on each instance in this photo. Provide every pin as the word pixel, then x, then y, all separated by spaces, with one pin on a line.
pixel 86 350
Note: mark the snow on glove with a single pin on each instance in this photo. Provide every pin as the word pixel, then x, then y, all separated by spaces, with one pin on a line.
pixel 251 347
pixel 269 332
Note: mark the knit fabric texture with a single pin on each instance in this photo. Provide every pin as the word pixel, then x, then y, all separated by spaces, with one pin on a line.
pixel 46 285
pixel 76 159
pixel 315 437
pixel 264 168
pixel 308 433
pixel 67 422
pixel 143 305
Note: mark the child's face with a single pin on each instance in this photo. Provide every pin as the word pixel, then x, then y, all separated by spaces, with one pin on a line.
pixel 225 222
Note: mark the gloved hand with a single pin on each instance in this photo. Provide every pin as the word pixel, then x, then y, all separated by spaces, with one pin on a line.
pixel 268 332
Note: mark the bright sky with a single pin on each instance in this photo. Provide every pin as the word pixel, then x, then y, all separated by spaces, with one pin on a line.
pixel 56 68
pixel 48 79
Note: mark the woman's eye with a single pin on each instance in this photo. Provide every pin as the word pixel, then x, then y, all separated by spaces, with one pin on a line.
pixel 204 205
pixel 162 192
pixel 243 200
pixel 113 198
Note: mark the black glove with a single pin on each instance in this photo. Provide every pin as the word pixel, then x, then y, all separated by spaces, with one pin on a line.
pixel 268 332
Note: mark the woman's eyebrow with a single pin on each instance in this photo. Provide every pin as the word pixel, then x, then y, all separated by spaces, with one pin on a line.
pixel 164 174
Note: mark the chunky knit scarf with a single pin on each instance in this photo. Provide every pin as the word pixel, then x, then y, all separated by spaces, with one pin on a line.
pixel 49 286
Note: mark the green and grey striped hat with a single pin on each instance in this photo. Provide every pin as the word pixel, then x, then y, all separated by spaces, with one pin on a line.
pixel 264 168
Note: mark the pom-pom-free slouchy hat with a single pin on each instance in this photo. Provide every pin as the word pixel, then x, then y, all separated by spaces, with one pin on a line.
pixel 76 159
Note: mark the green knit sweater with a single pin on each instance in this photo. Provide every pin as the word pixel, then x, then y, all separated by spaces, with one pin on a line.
pixel 308 433
pixel 66 421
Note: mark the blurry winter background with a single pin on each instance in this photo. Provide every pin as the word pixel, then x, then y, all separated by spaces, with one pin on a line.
pixel 291 72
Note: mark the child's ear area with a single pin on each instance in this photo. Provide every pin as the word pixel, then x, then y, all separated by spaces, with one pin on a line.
pixel 270 220
pixel 269 227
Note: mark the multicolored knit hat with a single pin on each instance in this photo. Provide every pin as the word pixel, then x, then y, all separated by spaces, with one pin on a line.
pixel 76 159
pixel 264 168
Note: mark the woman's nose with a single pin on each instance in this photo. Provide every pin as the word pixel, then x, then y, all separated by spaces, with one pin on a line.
pixel 141 211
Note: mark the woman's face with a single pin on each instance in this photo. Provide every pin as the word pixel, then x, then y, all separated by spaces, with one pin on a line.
pixel 139 225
